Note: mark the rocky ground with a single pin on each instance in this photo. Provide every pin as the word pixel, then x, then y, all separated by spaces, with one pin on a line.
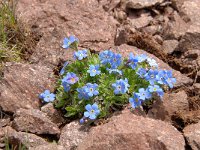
pixel 167 30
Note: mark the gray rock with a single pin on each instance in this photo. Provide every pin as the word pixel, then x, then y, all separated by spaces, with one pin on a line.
pixel 169 46
pixel 192 134
pixel 21 85
pixel 170 105
pixel 34 121
pixel 52 146
pixel 128 131
pixel 53 114
pixel 139 4
pixel 26 139
pixel 72 135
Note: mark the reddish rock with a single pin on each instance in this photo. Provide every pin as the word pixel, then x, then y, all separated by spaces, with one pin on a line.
pixel 139 4
pixel 24 138
pixel 53 114
pixel 34 121
pixel 192 135
pixel 52 146
pixel 191 39
pixel 169 46
pixel 4 122
pixel 175 28
pixel 126 49
pixel 57 19
pixel 21 85
pixel 128 131
pixel 72 135
pixel 170 105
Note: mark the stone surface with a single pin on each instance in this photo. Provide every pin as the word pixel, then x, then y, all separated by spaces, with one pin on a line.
pixel 169 46
pixel 53 114
pixel 191 39
pixel 21 85
pixel 128 131
pixel 52 146
pixel 26 139
pixel 140 19
pixel 72 135
pixel 126 49
pixel 34 121
pixel 192 134
pixel 175 28
pixel 4 122
pixel 191 8
pixel 170 105
pixel 56 19
pixel 139 4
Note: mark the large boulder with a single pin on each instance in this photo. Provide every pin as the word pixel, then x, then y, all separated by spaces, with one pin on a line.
pixel 87 20
pixel 128 131
pixel 34 121
pixel 21 85
pixel 192 135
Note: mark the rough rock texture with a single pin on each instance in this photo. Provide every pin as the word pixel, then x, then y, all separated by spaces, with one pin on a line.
pixel 53 114
pixel 126 49
pixel 175 28
pixel 85 19
pixel 169 46
pixel 170 105
pixel 72 135
pixel 26 139
pixel 191 39
pixel 138 22
pixel 4 122
pixel 192 134
pixel 52 146
pixel 21 85
pixel 138 4
pixel 128 131
pixel 34 121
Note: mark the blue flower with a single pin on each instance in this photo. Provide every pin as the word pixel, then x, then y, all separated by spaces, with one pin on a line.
pixel 92 89
pixel 151 76
pixel 92 111
pixel 135 101
pixel 133 61
pixel 68 41
pixel 144 94
pixel 82 121
pixel 114 71
pixel 141 72
pixel 115 61
pixel 152 62
pixel 80 54
pixel 47 96
pixel 120 86
pixel 66 86
pixel 62 71
pixel 157 89
pixel 165 77
pixel 70 78
pixel 94 70
pixel 105 56
pixel 83 93
pixel 142 58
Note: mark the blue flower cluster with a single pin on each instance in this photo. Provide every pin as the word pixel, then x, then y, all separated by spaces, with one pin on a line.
pixel 86 86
